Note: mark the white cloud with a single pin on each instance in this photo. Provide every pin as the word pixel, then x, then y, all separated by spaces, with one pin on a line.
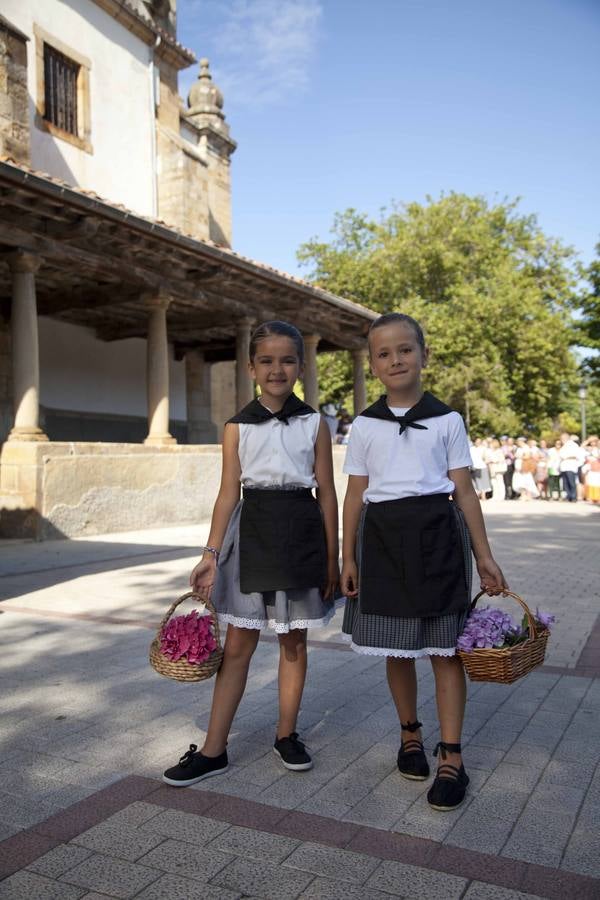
pixel 260 50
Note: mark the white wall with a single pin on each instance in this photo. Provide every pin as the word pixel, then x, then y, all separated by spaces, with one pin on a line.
pixel 122 120
pixel 80 373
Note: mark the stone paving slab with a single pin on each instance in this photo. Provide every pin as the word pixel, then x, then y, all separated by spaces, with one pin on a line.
pixel 254 844
pixel 376 860
pixel 416 881
pixel 344 865
pixel 81 709
pixel 111 876
pixel 25 885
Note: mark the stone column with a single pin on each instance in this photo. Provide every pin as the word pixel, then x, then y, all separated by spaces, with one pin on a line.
pixel 200 427
pixel 311 380
pixel 244 389
pixel 359 358
pixel 157 371
pixel 6 388
pixel 25 349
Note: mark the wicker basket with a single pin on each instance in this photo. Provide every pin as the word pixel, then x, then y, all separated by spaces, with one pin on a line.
pixel 505 665
pixel 181 669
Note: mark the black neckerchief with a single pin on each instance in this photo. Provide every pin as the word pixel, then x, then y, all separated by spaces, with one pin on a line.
pixel 428 407
pixel 255 413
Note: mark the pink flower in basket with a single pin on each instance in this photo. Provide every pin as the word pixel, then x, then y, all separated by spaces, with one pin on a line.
pixel 188 637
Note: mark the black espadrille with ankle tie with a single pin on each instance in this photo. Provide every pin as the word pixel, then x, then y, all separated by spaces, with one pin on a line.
pixel 412 762
pixel 450 784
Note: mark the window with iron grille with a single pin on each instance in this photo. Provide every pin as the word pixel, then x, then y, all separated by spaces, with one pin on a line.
pixel 60 89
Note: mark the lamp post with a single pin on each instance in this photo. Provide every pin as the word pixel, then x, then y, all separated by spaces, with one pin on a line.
pixel 582 394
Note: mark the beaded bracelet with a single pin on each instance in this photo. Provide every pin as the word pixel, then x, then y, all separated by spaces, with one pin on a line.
pixel 215 553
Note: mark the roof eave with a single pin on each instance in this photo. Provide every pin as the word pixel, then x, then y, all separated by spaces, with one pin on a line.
pixel 17 174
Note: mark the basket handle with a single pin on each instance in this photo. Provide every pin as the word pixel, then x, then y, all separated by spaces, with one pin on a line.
pixel 521 602
pixel 204 602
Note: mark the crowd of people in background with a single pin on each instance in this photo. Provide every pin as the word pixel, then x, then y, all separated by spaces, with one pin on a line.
pixel 520 468
pixel 339 422
pixel 526 469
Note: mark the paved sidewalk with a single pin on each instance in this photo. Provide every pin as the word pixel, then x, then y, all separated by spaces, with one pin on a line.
pixel 87 727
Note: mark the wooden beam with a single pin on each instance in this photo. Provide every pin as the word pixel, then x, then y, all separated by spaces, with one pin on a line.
pixel 50 304
pixel 140 257
pixel 82 227
pixel 126 332
pixel 19 199
pixel 196 322
pixel 96 263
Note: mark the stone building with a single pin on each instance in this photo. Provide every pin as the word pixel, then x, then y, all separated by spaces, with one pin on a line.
pixel 124 313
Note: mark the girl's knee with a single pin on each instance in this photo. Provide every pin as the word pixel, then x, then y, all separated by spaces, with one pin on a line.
pixel 446 666
pixel 293 644
pixel 400 663
pixel 241 643
pixel 442 662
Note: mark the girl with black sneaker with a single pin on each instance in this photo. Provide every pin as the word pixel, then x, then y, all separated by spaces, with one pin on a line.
pixel 272 557
pixel 411 512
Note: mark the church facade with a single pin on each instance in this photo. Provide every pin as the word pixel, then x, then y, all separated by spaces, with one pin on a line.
pixel 125 312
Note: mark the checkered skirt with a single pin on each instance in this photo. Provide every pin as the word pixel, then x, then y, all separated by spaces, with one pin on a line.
pixel 407 637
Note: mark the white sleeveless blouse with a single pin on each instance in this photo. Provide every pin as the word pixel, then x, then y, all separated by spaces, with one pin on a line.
pixel 276 454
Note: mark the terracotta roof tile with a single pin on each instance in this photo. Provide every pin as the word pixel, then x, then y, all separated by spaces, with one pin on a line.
pixel 158 30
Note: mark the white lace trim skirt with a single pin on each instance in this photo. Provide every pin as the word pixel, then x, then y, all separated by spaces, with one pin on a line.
pixel 281 610
pixel 409 638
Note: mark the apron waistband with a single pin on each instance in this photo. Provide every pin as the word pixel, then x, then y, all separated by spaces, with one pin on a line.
pixel 405 502
pixel 277 493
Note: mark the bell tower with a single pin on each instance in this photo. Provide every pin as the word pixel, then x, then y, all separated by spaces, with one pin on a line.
pixel 205 113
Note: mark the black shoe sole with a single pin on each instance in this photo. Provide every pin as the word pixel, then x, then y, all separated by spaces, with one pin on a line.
pixel 178 783
pixel 293 767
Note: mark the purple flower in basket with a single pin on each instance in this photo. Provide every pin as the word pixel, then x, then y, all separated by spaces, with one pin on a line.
pixel 188 637
pixel 488 627
pixel 546 620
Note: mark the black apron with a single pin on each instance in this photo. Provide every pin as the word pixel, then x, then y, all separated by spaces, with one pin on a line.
pixel 282 541
pixel 412 562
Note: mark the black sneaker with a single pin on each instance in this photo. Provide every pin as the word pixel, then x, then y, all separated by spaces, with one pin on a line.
pixel 194 766
pixel 292 753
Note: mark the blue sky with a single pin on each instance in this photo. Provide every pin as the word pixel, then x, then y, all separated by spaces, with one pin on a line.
pixel 351 103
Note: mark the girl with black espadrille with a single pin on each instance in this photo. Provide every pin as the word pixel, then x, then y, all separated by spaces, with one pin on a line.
pixel 411 521
pixel 271 560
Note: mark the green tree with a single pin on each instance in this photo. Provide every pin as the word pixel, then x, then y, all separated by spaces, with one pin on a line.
pixel 494 294
pixel 589 324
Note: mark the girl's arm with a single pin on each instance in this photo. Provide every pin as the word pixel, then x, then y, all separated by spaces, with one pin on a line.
pixel 203 574
pixel 327 500
pixel 357 485
pixel 492 579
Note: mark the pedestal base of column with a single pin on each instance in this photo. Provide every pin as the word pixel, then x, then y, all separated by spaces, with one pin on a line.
pixel 160 440
pixel 27 433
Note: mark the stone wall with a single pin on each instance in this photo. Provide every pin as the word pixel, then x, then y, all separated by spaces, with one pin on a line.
pixel 14 98
pixel 219 199
pixel 182 173
pixel 53 490
pixel 116 158
pixel 182 185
